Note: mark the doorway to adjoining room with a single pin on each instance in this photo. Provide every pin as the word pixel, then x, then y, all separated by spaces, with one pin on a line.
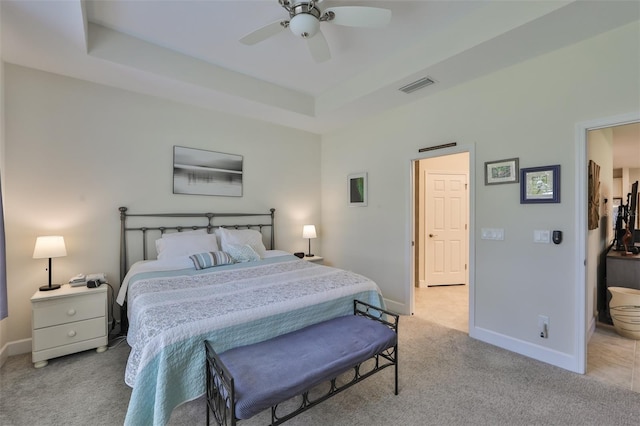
pixel 441 238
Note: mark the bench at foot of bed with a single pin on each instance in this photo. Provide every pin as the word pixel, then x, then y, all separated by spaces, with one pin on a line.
pixel 244 381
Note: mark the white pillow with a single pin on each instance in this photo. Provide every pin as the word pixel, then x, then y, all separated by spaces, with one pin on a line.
pixel 195 232
pixel 242 237
pixel 186 245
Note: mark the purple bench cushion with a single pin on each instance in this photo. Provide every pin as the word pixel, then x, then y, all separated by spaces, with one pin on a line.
pixel 270 372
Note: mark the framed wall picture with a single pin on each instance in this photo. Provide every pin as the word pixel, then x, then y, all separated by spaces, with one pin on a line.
pixel 540 185
pixel 501 171
pixel 357 189
pixel 200 172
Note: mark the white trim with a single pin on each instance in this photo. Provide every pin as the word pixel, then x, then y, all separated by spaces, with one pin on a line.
pixel 528 349
pixel 580 190
pixel 592 329
pixel 397 307
pixel 17 347
pixel 409 231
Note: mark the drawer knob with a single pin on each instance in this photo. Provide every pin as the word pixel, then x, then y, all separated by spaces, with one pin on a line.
pixel 71 333
pixel 71 312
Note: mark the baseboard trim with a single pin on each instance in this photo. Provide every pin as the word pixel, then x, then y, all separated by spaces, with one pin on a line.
pixel 592 328
pixel 399 308
pixel 18 347
pixel 528 349
pixel 3 355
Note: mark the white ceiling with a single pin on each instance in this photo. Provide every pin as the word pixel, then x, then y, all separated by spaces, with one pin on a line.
pixel 188 51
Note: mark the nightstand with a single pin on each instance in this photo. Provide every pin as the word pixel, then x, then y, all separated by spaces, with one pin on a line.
pixel 68 320
pixel 314 258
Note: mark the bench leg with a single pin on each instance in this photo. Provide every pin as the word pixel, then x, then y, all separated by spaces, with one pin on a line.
pixel 220 390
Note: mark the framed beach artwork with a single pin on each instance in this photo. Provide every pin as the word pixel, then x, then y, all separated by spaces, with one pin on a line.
pixel 201 172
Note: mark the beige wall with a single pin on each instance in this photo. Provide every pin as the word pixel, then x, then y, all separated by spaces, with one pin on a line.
pixel 529 111
pixel 76 151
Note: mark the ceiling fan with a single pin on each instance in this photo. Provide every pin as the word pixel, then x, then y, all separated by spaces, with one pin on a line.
pixel 304 21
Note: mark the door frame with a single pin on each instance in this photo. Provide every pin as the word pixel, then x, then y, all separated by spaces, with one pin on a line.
pixel 410 229
pixel 581 191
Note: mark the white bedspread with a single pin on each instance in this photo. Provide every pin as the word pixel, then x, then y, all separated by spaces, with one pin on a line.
pixel 171 313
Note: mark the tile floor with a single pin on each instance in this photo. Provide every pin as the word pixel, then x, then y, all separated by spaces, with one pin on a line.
pixel 610 358
pixel 614 359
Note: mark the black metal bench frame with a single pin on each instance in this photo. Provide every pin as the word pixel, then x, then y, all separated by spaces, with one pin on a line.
pixel 220 384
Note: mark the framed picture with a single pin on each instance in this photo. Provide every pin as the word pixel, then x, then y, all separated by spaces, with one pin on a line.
pixel 501 171
pixel 200 172
pixel 540 185
pixel 357 189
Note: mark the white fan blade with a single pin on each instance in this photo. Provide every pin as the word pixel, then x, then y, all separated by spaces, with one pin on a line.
pixel 262 33
pixel 319 47
pixel 360 16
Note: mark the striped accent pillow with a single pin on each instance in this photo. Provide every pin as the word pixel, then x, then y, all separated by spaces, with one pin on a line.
pixel 210 259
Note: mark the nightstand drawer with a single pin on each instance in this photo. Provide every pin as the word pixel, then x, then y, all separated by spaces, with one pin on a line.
pixel 65 334
pixel 64 310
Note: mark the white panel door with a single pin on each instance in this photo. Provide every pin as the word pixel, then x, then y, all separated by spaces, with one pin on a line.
pixel 446 228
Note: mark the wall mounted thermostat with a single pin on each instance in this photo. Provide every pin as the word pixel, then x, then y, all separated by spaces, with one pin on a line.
pixel 556 237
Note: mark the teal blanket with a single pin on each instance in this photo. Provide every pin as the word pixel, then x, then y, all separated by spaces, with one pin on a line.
pixel 172 313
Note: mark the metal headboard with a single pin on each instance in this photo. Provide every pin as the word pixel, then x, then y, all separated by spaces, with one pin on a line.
pixel 205 222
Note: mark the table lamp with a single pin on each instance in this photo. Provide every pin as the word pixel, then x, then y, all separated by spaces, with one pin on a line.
pixel 48 247
pixel 309 231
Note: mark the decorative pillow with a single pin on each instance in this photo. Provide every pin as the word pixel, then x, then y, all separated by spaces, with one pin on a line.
pixel 185 245
pixel 210 259
pixel 242 237
pixel 242 253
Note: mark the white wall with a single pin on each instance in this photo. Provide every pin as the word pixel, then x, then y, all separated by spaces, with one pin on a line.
pixel 527 111
pixel 600 150
pixel 76 151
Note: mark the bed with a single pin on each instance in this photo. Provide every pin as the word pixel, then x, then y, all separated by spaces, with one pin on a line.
pixel 216 280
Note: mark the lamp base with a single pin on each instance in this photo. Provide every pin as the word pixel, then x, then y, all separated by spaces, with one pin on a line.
pixel 309 255
pixel 50 287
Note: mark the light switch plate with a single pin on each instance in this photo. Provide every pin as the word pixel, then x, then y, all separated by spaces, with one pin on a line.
pixel 542 236
pixel 492 234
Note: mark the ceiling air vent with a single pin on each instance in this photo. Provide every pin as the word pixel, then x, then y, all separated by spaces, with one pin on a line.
pixel 418 84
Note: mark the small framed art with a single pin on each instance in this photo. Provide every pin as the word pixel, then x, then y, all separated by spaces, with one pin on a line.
pixel 357 189
pixel 540 185
pixel 501 171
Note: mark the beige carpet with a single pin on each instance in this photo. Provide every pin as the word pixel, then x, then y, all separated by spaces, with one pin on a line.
pixel 446 378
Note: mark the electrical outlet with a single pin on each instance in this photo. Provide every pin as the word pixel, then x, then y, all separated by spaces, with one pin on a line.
pixel 543 326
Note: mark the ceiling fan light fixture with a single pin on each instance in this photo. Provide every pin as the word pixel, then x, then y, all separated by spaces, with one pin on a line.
pixel 304 25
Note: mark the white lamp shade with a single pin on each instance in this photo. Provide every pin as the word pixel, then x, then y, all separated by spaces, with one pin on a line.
pixel 50 246
pixel 304 25
pixel 309 231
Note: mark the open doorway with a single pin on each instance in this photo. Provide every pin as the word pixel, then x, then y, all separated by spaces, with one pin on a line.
pixel 441 239
pixel 615 148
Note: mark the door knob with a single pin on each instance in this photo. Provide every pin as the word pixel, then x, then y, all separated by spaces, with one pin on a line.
pixel 432 235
